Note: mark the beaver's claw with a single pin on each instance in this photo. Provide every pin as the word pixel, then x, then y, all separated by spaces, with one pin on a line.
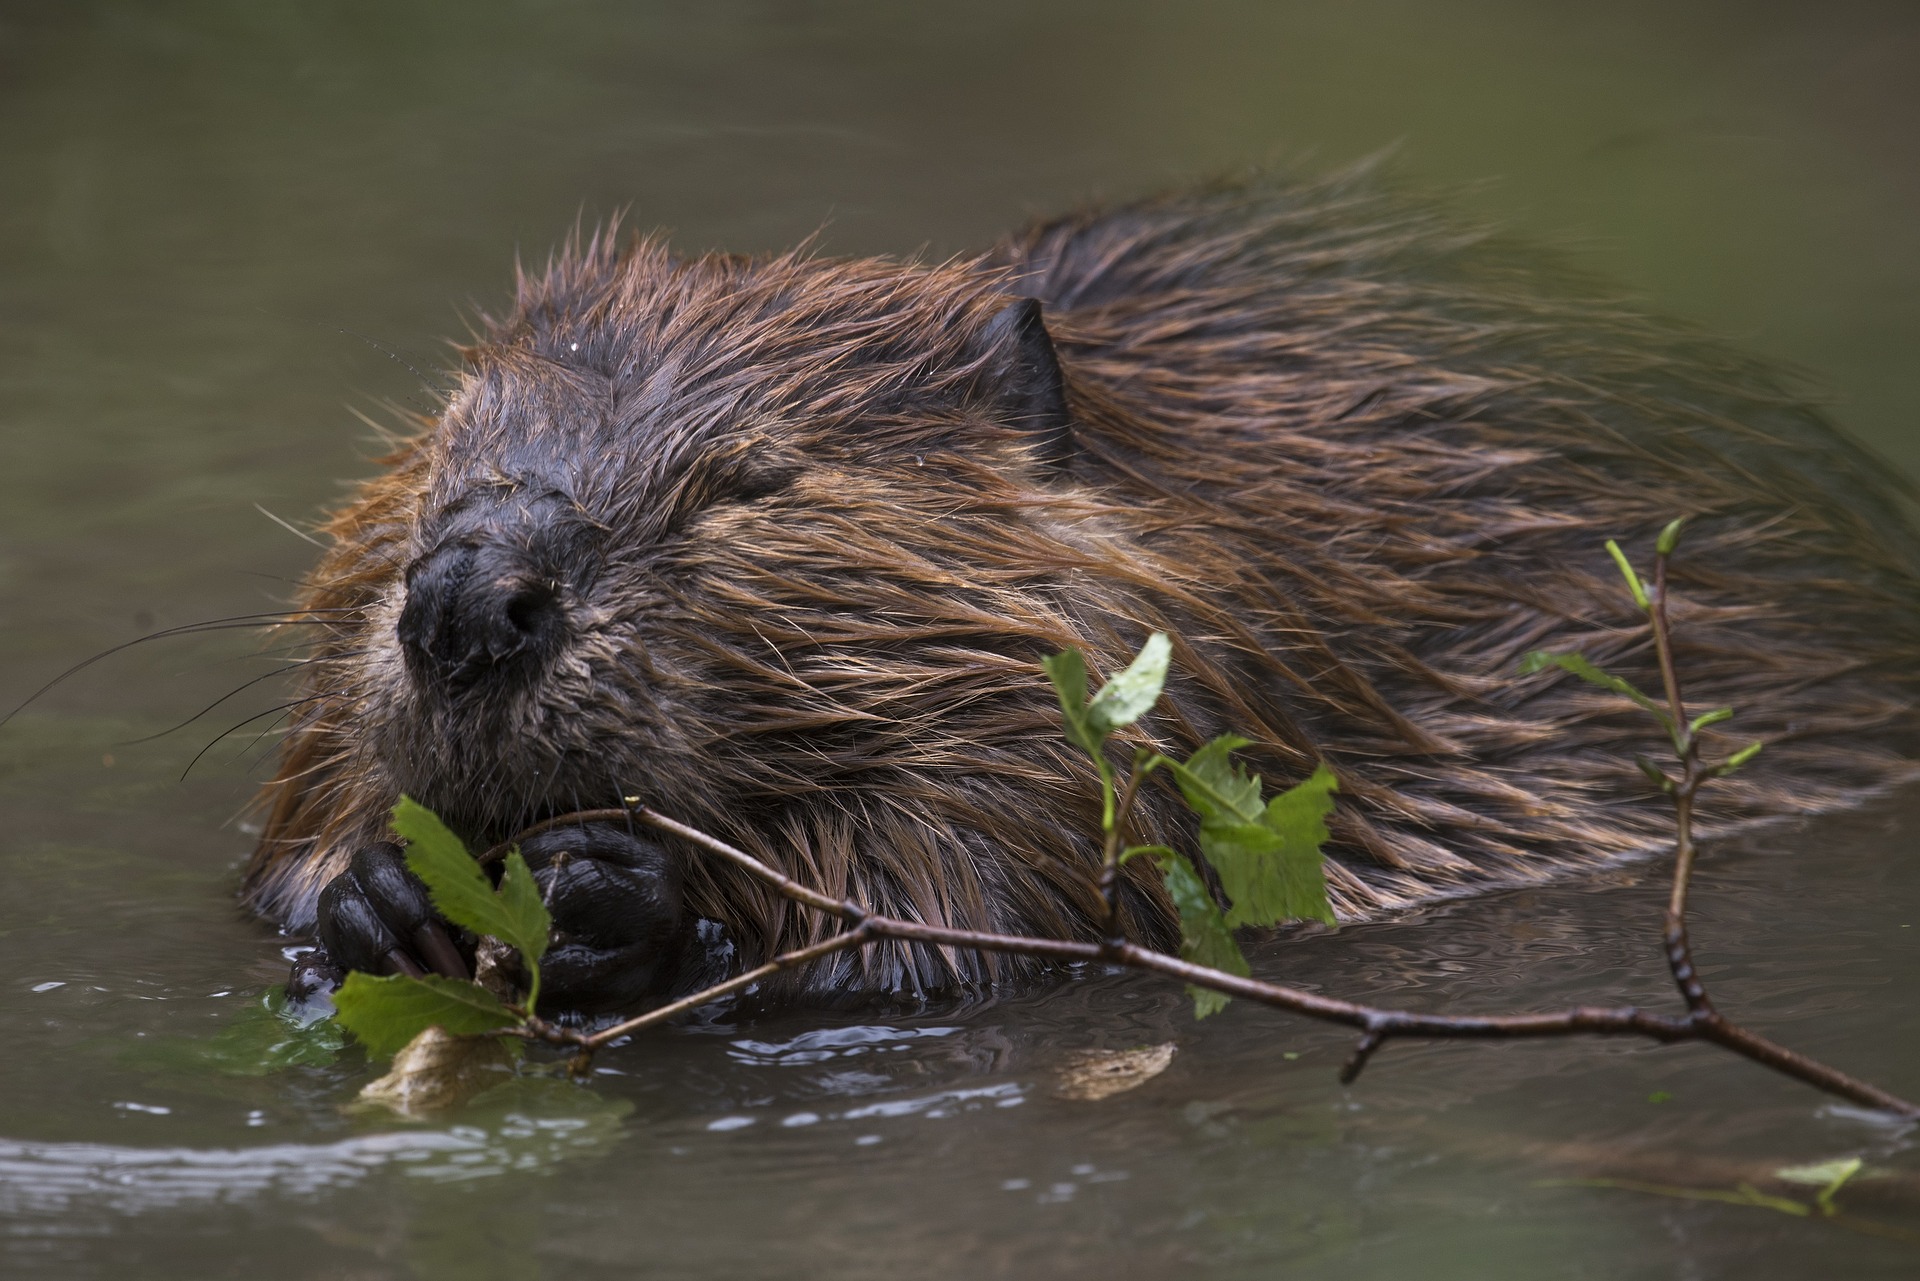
pixel 376 917
pixel 620 931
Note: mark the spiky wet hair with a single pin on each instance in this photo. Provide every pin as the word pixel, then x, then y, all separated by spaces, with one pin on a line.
pixel 814 522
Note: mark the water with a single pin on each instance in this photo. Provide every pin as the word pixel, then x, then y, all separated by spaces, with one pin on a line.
pixel 203 205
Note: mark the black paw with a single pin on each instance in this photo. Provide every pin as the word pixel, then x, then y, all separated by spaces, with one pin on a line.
pixel 376 917
pixel 621 932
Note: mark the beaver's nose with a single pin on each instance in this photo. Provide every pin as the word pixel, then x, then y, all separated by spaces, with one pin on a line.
pixel 478 613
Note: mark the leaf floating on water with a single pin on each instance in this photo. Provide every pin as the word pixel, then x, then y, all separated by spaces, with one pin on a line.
pixel 436 1071
pixel 1828 1176
pixel 386 1013
pixel 1821 1174
pixel 1092 1075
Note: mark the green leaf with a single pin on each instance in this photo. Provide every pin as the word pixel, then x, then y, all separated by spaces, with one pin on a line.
pixel 1121 701
pixel 384 1014
pixel 1539 660
pixel 1133 690
pixel 1634 584
pixel 526 923
pixel 1738 759
pixel 1204 936
pixel 461 891
pixel 1068 672
pixel 1267 856
pixel 1705 719
pixel 1828 1176
pixel 1670 536
pixel 1218 790
pixel 1295 889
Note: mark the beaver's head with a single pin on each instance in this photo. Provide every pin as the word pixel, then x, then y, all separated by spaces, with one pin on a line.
pixel 722 530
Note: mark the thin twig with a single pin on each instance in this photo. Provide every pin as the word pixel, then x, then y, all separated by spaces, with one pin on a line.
pixel 1700 1022
pixel 1377 1025
pixel 1110 853
pixel 1679 946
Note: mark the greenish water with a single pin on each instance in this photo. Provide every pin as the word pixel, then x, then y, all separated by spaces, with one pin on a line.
pixel 203 206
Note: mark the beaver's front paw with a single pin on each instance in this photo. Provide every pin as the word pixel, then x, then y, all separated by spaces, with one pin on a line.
pixel 376 917
pixel 620 929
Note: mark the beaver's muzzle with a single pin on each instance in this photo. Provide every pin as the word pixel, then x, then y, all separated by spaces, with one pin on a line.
pixel 479 616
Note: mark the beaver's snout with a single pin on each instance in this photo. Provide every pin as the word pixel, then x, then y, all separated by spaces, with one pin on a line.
pixel 479 613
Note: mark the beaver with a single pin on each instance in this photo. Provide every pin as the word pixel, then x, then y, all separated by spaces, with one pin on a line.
pixel 775 543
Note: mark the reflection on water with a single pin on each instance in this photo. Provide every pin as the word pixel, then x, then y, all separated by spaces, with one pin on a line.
pixel 208 203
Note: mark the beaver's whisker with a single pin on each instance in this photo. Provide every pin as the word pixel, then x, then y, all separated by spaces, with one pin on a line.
pixel 278 671
pixel 271 711
pixel 239 622
pixel 297 532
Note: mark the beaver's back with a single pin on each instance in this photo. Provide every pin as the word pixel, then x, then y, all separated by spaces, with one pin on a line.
pixel 1412 439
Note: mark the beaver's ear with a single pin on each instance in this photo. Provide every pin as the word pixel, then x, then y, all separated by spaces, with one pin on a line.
pixel 1023 377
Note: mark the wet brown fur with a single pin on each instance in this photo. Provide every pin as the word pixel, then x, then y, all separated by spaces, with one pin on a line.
pixel 1356 457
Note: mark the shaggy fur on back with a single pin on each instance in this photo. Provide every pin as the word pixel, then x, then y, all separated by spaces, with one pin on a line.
pixel 1355 457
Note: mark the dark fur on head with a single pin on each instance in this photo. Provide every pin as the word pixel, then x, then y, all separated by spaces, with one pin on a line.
pixel 806 527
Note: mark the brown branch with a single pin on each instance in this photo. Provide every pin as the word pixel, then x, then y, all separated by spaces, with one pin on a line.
pixel 1700 1022
pixel 1686 744
pixel 1377 1025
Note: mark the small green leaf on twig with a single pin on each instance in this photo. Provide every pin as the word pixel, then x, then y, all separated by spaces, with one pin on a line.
pixel 1119 703
pixel 1218 790
pixel 386 1013
pixel 1068 672
pixel 1654 773
pixel 1204 936
pixel 460 890
pixel 1670 536
pixel 1634 584
pixel 1539 660
pixel 1133 690
pixel 1705 719
pixel 1267 855
pixel 1299 815
pixel 1738 759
